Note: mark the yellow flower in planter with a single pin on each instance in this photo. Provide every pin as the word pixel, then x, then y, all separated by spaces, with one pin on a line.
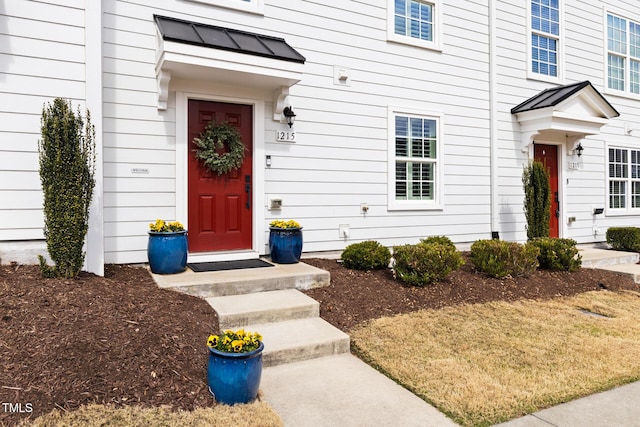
pixel 235 341
pixel 212 341
pixel 161 226
pixel 278 223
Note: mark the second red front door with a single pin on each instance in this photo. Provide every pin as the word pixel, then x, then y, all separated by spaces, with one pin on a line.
pixel 548 155
pixel 220 206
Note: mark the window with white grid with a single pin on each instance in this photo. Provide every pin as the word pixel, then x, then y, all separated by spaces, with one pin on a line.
pixel 253 6
pixel 623 54
pixel 624 179
pixel 414 156
pixel 415 22
pixel 544 46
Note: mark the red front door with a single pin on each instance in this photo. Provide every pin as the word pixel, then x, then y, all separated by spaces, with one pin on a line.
pixel 548 155
pixel 220 205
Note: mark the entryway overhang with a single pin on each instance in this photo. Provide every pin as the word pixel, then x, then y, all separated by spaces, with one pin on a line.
pixel 194 51
pixel 571 111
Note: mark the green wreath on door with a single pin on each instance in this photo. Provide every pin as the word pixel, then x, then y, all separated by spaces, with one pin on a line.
pixel 214 138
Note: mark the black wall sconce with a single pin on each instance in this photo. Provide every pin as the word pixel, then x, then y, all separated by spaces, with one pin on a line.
pixel 579 149
pixel 290 115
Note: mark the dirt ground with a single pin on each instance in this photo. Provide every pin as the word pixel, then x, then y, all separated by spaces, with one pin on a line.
pixel 120 339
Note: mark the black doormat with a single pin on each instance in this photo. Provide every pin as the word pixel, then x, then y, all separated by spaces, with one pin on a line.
pixel 199 267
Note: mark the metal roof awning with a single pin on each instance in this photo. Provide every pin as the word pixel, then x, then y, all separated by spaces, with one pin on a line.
pixel 576 110
pixel 193 33
pixel 196 51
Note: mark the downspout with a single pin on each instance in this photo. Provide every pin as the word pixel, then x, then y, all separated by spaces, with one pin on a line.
pixel 493 120
pixel 94 258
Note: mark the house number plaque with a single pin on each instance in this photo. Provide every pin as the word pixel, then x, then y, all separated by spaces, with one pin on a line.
pixel 285 136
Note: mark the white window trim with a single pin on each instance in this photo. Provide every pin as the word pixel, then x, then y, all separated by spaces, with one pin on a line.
pixel 627 211
pixel 253 6
pixel 541 77
pixel 627 80
pixel 436 44
pixel 392 203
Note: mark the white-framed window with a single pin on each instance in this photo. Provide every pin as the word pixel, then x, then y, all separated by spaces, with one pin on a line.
pixel 414 160
pixel 544 40
pixel 415 22
pixel 623 54
pixel 253 6
pixel 623 186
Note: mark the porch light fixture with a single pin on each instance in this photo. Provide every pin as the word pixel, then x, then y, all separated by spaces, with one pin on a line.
pixel 290 115
pixel 579 149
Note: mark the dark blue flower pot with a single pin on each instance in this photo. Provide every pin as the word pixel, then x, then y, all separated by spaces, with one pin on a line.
pixel 285 245
pixel 167 252
pixel 234 377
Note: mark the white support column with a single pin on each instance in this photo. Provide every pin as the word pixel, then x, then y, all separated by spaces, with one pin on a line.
pixel 94 261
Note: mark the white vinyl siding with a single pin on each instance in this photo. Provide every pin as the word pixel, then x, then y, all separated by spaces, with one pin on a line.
pixel 42 56
pixel 415 22
pixel 623 54
pixel 545 41
pixel 414 153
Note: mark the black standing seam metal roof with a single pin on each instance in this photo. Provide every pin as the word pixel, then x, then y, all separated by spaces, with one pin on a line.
pixel 178 30
pixel 555 95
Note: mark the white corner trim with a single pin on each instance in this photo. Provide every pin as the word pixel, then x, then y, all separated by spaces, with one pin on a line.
pixel 94 258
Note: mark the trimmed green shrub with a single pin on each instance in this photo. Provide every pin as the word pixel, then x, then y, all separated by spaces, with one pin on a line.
pixel 425 263
pixel 500 259
pixel 369 255
pixel 443 240
pixel 67 167
pixel 537 199
pixel 558 254
pixel 624 238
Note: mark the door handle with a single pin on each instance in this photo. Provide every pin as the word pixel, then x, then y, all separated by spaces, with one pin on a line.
pixel 247 189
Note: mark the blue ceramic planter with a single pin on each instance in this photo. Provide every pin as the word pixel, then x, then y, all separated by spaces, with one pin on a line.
pixel 234 377
pixel 167 252
pixel 285 245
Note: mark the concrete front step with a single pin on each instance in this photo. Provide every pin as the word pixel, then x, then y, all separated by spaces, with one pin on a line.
pixel 631 270
pixel 234 282
pixel 239 311
pixel 601 258
pixel 300 339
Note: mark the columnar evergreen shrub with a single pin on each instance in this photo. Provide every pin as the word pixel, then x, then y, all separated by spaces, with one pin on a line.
pixel 369 255
pixel 537 199
pixel 67 167
pixel 425 263
pixel 500 259
pixel 558 254
pixel 624 238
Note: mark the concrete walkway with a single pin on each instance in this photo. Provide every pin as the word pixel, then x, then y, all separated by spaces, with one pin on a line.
pixel 619 407
pixel 343 390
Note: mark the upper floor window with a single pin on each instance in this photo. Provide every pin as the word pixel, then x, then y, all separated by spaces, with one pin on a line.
pixel 624 179
pixel 414 161
pixel 415 22
pixel 545 39
pixel 623 54
pixel 253 6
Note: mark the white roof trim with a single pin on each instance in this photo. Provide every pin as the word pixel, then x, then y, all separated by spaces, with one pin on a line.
pixel 179 60
pixel 577 116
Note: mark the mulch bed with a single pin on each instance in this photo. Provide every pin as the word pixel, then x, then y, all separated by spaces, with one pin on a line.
pixel 356 296
pixel 120 339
